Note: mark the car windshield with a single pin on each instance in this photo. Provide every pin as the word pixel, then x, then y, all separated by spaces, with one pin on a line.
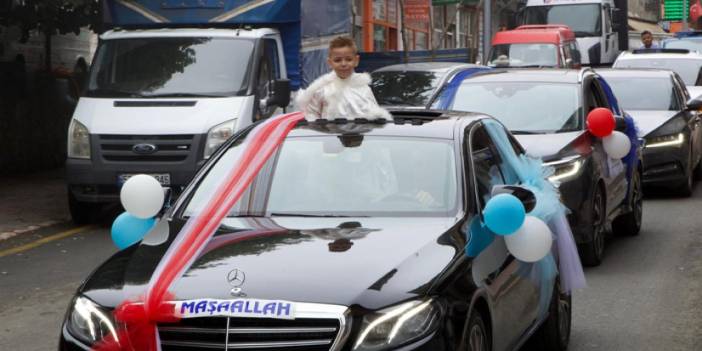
pixel 583 19
pixel 403 88
pixel 687 69
pixel 688 44
pixel 163 67
pixel 524 55
pixel 348 175
pixel 644 93
pixel 523 107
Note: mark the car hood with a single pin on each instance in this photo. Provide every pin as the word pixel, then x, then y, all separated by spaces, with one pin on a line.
pixel 648 121
pixel 547 146
pixel 371 262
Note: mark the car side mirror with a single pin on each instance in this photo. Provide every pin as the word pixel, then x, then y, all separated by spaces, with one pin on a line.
pixel 620 124
pixel 280 93
pixel 694 104
pixel 524 195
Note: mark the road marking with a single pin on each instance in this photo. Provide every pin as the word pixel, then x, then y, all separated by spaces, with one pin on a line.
pixel 45 240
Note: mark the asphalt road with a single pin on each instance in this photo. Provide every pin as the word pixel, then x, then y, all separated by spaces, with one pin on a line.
pixel 647 295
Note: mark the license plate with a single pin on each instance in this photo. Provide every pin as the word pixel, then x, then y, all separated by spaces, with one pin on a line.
pixel 163 178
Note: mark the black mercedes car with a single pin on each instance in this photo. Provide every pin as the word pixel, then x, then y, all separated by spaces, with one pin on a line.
pixel 669 122
pixel 546 110
pixel 362 229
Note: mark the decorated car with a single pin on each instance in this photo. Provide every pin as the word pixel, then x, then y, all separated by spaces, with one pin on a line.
pixel 432 231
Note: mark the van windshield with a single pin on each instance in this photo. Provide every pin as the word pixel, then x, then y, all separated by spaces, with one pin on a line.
pixel 524 55
pixel 170 67
pixel 583 19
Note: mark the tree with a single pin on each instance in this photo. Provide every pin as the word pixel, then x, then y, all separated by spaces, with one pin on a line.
pixel 51 17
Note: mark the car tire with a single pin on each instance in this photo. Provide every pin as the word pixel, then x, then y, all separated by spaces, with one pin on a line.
pixel 630 223
pixel 82 212
pixel 476 336
pixel 591 252
pixel 554 333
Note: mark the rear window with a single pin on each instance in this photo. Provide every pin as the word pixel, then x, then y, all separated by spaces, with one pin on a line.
pixel 409 88
pixel 687 69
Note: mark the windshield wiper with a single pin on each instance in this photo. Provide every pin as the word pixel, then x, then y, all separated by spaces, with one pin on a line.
pixel 528 132
pixel 166 95
pixel 115 93
pixel 276 214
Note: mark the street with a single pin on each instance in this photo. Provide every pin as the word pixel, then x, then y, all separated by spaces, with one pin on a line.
pixel 645 296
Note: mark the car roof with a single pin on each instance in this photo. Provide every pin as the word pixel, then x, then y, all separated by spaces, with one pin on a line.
pixel 437 67
pixel 634 73
pixel 406 123
pixel 659 55
pixel 551 34
pixel 542 75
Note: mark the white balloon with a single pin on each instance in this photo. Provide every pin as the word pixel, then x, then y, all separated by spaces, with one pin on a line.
pixel 616 145
pixel 531 242
pixel 142 196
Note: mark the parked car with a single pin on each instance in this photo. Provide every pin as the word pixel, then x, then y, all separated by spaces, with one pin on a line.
pixel 413 85
pixel 690 40
pixel 667 119
pixel 535 46
pixel 333 225
pixel 685 63
pixel 546 110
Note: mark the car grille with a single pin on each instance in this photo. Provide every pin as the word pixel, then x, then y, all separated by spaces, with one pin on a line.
pixel 169 148
pixel 262 334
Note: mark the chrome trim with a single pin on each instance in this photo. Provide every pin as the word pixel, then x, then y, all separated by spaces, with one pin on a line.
pixel 226 337
pixel 562 161
pixel 271 330
pixel 271 344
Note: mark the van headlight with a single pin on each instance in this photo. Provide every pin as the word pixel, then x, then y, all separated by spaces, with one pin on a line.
pixel 89 322
pixel 565 169
pixel 78 140
pixel 397 325
pixel 218 135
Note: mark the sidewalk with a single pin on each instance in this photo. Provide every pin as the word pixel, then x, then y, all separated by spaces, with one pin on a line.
pixel 32 201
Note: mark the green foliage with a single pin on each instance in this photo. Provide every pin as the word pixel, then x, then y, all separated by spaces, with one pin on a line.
pixel 54 16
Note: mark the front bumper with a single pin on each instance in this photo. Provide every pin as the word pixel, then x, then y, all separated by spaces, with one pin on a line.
pixel 665 166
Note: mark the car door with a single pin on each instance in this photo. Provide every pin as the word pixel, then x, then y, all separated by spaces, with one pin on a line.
pixel 514 298
pixel 692 116
pixel 613 171
pixel 610 36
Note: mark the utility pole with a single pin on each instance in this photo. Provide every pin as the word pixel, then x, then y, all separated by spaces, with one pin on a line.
pixel 685 14
pixel 487 29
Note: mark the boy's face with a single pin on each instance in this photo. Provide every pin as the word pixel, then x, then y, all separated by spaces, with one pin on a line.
pixel 343 61
pixel 647 40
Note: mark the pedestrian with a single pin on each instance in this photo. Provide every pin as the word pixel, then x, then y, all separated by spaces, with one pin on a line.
pixel 341 93
pixel 647 41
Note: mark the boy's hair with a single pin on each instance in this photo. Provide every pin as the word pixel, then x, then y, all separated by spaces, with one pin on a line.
pixel 342 42
pixel 646 32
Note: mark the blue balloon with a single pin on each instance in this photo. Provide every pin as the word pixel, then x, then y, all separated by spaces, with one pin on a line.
pixel 127 229
pixel 504 214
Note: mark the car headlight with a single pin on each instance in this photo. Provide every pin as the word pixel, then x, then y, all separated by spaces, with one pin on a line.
pixel 218 135
pixel 397 325
pixel 78 140
pixel 89 322
pixel 565 169
pixel 672 140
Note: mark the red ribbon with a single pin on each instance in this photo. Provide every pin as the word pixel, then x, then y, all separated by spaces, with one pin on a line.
pixel 136 320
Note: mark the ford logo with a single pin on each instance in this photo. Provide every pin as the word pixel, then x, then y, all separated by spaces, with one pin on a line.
pixel 144 149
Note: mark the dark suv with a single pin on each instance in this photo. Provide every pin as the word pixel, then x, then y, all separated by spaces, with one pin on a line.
pixel 546 110
pixel 361 228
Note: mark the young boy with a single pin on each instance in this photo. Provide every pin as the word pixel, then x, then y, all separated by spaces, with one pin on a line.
pixel 342 93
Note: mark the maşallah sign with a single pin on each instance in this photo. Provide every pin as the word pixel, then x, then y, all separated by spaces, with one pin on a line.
pixel 417 10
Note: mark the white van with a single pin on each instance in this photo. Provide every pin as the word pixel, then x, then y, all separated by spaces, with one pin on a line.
pixel 599 26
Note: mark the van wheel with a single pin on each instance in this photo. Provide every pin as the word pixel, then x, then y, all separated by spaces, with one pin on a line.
pixel 630 223
pixel 476 336
pixel 82 212
pixel 591 253
pixel 554 333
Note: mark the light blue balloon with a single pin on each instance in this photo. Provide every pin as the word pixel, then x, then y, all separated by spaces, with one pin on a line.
pixel 504 214
pixel 127 229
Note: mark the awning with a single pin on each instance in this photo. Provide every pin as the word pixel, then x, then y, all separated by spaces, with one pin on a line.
pixel 640 26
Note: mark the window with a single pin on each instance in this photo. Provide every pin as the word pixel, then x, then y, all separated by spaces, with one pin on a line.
pixel 268 71
pixel 485 161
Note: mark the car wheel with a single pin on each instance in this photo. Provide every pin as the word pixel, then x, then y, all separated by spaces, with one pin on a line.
pixel 630 223
pixel 591 253
pixel 476 336
pixel 554 333
pixel 82 212
pixel 685 189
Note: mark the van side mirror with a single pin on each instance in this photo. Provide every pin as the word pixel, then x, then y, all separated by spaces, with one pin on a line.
pixel 524 195
pixel 694 104
pixel 280 93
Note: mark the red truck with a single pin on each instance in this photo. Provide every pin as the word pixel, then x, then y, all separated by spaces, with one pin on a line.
pixel 535 46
